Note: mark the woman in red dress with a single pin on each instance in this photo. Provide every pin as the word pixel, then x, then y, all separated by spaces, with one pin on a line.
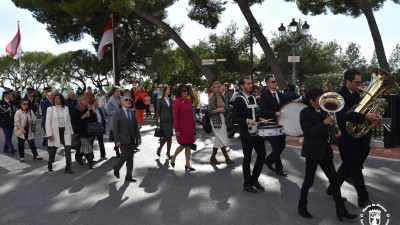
pixel 184 125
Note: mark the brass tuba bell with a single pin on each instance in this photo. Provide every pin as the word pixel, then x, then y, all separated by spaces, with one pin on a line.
pixel 369 104
pixel 332 103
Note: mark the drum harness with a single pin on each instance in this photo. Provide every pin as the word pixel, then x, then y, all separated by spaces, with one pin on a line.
pixel 252 128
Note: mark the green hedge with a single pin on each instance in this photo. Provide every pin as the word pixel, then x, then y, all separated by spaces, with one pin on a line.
pixel 317 80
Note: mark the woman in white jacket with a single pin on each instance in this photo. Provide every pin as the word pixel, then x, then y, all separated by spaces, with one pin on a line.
pixel 25 121
pixel 59 130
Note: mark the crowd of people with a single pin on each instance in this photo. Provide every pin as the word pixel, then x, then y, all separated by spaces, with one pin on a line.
pixel 77 121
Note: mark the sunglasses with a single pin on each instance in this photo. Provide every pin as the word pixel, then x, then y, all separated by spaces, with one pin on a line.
pixel 301 90
pixel 274 81
pixel 184 90
pixel 127 99
pixel 24 103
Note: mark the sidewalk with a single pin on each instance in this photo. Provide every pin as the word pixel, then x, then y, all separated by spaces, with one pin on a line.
pixel 392 153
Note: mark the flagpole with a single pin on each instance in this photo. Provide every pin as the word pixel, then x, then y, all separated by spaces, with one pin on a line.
pixel 112 26
pixel 20 70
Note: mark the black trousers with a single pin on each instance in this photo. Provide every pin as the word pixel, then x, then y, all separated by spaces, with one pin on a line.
pixel 127 151
pixel 21 147
pixel 329 169
pixel 347 169
pixel 278 143
pixel 259 147
pixel 100 139
pixel 148 112
pixel 67 149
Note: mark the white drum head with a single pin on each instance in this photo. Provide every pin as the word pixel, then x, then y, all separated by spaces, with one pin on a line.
pixel 290 118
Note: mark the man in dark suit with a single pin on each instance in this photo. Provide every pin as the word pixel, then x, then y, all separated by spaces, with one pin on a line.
pixel 318 151
pixel 244 113
pixel 126 132
pixel 48 102
pixel 271 102
pixel 353 151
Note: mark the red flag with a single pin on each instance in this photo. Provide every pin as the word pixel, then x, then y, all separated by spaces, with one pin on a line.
pixel 14 48
pixel 108 38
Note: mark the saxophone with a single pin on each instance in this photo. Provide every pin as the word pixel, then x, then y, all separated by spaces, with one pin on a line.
pixel 369 102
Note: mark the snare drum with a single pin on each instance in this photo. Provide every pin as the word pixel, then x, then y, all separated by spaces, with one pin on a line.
pixel 270 130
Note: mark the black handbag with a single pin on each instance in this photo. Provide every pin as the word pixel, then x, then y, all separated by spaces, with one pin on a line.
pixel 95 128
pixel 159 132
pixel 193 147
pixel 76 144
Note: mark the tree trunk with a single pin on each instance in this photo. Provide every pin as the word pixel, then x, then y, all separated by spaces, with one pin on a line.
pixel 178 40
pixel 269 54
pixel 366 8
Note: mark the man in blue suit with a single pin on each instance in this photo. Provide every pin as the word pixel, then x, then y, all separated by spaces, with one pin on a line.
pixel 48 102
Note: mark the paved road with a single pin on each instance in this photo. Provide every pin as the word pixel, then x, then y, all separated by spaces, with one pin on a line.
pixel 163 195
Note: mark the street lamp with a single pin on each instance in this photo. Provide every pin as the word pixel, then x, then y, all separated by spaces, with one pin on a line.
pixel 293 29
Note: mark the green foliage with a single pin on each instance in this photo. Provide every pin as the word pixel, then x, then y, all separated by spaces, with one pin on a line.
pixel 394 60
pixel 344 7
pixel 207 12
pixel 317 80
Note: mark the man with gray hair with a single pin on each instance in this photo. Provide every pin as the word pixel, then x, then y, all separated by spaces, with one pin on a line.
pixel 126 133
pixel 48 102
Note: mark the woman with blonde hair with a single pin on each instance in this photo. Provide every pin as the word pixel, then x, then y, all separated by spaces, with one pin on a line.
pixel 112 107
pixel 326 87
pixel 217 107
pixel 83 115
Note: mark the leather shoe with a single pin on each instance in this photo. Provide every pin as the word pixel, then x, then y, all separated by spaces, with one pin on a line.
pixel 130 179
pixel 258 186
pixel 269 165
pixel 116 173
pixel 281 173
pixel 249 189
pixel 362 203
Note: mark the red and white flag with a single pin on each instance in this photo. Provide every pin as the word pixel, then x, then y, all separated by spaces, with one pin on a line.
pixel 14 48
pixel 108 38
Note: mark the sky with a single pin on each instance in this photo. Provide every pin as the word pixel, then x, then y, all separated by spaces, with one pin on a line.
pixel 271 14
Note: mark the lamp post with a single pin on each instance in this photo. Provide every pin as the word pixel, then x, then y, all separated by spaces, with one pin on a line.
pixel 293 29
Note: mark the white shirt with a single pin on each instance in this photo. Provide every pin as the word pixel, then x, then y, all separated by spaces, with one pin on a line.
pixel 98 115
pixel 351 92
pixel 167 100
pixel 60 116
pixel 276 95
pixel 126 114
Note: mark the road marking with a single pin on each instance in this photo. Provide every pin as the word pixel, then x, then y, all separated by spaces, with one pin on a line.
pixel 11 164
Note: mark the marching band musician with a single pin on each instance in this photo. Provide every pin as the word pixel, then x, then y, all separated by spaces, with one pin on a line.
pixel 244 114
pixel 353 152
pixel 317 150
pixel 270 103
pixel 7 112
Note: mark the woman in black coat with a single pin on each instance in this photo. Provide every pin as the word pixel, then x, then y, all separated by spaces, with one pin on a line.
pixel 82 116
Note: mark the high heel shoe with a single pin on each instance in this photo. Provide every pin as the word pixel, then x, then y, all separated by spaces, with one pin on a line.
pixel 68 169
pixel 341 212
pixel 169 157
pixel 189 168
pixel 34 158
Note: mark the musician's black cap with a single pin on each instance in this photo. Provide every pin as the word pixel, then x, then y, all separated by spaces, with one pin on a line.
pixel 8 91
pixel 30 89
pixel 47 89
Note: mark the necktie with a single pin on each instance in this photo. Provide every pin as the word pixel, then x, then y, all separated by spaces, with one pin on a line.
pixel 129 117
pixel 274 94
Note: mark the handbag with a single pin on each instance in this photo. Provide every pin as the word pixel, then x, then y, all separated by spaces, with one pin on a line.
pixel 95 128
pixel 33 125
pixel 193 147
pixel 76 144
pixel 159 132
